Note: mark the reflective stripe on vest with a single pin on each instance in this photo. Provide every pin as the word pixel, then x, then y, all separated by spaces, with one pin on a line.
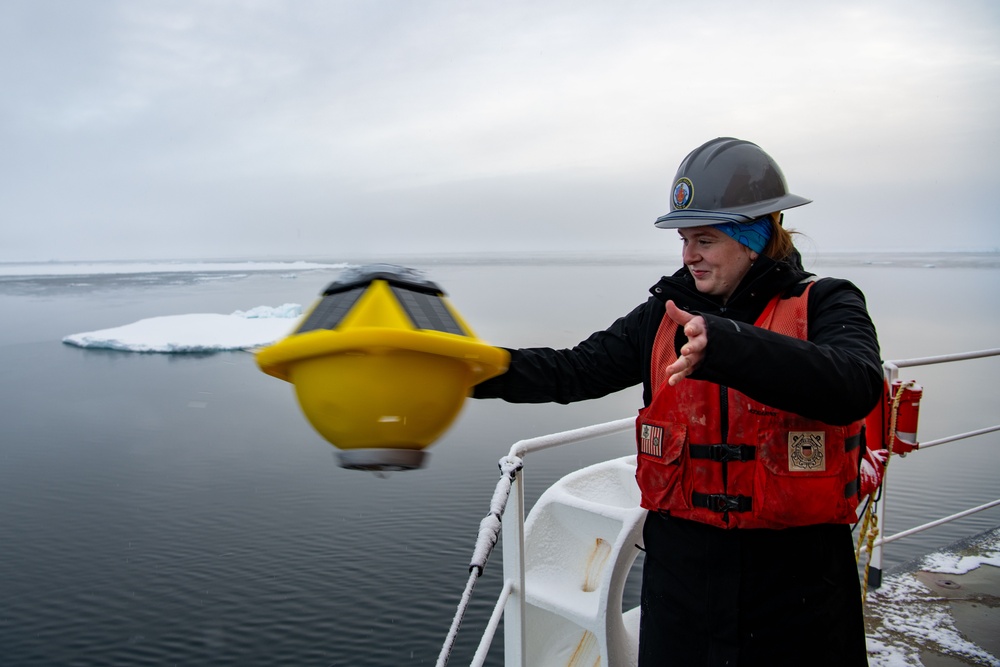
pixel 712 454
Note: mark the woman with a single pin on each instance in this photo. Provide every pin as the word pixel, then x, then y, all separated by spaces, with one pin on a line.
pixel 755 382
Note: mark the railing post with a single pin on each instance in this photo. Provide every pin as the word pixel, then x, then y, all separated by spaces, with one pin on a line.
pixel 891 372
pixel 513 570
pixel 875 560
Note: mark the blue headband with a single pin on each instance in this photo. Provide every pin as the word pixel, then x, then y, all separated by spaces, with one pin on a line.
pixel 753 235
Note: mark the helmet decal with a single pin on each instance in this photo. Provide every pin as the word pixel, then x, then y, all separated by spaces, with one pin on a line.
pixel 683 193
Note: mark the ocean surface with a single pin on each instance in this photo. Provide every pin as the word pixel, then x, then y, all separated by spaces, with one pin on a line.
pixel 162 509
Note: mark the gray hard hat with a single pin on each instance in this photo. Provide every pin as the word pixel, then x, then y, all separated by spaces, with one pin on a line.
pixel 727 180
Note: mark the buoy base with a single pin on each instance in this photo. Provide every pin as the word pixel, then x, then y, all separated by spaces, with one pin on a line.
pixel 382 460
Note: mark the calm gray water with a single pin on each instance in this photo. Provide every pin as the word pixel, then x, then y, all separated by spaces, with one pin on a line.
pixel 167 510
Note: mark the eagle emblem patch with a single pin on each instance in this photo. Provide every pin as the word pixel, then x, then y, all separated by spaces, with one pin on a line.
pixel 806 451
pixel 683 193
pixel 651 440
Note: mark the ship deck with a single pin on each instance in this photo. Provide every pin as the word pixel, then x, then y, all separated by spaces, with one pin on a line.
pixel 943 611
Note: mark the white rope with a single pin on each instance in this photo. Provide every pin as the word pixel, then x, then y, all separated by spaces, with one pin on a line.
pixel 489 534
pixel 456 623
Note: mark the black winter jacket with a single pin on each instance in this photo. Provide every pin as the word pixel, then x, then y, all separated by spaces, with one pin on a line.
pixel 835 376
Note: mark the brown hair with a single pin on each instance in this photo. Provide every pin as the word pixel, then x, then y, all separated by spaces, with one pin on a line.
pixel 780 245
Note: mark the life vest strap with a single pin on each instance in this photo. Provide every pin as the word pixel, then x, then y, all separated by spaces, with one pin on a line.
pixel 852 442
pixel 723 453
pixel 852 487
pixel 720 502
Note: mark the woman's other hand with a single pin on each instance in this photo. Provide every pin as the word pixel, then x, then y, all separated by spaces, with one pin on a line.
pixel 694 350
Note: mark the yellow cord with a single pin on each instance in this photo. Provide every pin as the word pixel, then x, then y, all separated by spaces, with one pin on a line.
pixel 872 534
pixel 869 526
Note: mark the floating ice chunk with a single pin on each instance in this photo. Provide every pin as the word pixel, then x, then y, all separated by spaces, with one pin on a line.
pixel 284 310
pixel 197 332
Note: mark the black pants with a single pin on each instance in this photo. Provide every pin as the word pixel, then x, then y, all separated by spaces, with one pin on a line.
pixel 749 597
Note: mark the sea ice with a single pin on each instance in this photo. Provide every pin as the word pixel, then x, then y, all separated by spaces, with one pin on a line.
pixel 196 332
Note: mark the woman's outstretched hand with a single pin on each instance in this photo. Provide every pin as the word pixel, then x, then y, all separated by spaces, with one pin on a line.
pixel 694 350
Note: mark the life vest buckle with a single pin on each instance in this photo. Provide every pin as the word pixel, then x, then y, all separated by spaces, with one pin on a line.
pixel 724 453
pixel 720 502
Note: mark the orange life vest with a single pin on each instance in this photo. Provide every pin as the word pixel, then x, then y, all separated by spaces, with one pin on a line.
pixel 712 454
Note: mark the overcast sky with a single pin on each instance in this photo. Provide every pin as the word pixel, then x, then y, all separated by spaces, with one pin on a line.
pixel 181 129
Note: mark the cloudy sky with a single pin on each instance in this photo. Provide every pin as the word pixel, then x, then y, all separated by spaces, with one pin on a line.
pixel 335 128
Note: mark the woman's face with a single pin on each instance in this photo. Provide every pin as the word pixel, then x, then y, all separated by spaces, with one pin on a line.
pixel 717 262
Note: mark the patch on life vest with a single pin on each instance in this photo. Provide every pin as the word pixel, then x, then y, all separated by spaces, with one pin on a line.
pixel 806 451
pixel 651 440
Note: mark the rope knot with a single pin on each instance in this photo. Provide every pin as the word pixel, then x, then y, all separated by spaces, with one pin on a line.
pixel 509 465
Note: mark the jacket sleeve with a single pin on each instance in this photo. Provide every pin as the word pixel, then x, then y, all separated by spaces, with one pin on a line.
pixel 835 376
pixel 606 362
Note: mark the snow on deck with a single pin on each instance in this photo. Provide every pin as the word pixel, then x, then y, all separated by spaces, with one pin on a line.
pixel 948 606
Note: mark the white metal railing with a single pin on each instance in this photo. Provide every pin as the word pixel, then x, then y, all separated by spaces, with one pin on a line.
pixel 938 522
pixel 513 532
pixel 508 501
pixel 891 370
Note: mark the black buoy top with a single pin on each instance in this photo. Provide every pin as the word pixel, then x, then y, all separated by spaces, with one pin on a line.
pixel 400 276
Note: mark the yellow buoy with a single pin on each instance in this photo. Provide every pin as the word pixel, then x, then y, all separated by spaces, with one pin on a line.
pixel 381 366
